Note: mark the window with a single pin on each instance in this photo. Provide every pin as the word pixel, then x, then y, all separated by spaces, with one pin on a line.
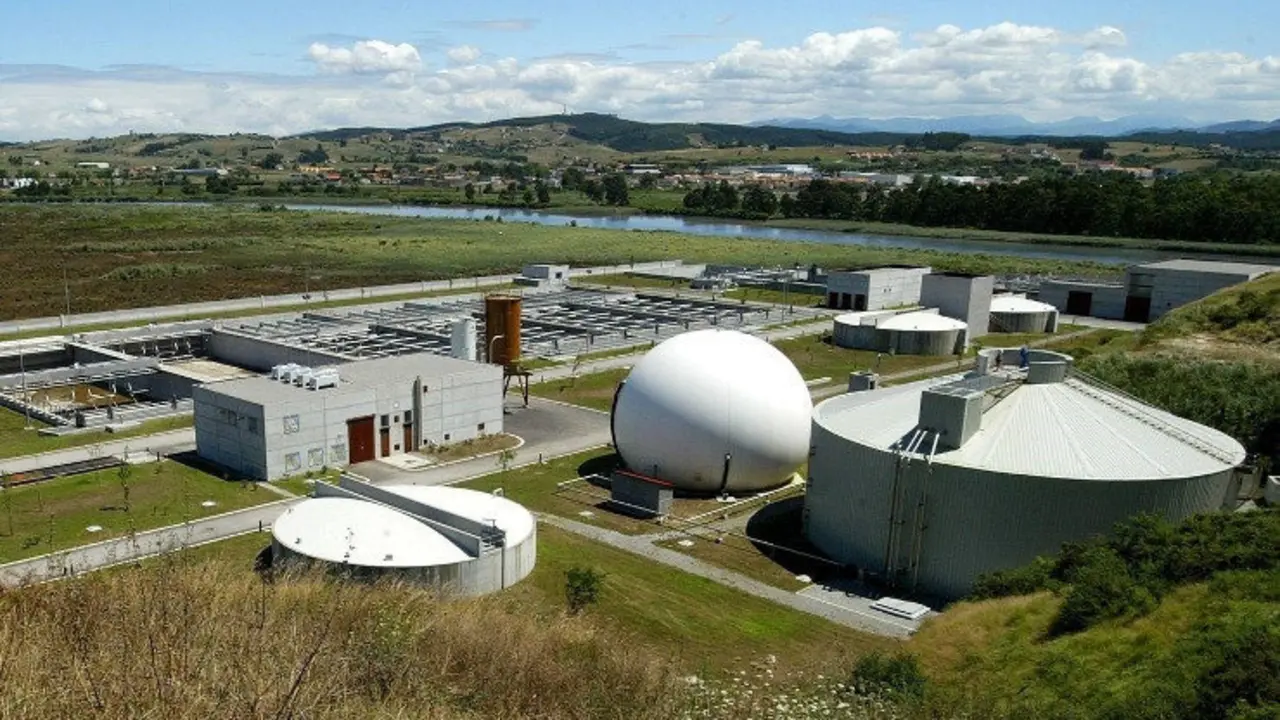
pixel 397 447
pixel 480 427
pixel 446 437
pixel 386 421
pixel 315 457
pixel 292 462
pixel 396 419
pixel 408 417
pixel 291 424
pixel 425 389
pixel 338 454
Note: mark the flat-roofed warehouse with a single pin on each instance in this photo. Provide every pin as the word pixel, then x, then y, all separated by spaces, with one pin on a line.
pixel 1151 290
pixel 930 484
pixel 268 428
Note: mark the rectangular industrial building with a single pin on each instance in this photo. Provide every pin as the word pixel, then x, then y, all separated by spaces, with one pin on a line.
pixel 267 428
pixel 1149 291
pixel 960 296
pixel 875 288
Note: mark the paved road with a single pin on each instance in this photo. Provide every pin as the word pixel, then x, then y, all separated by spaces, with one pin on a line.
pixel 167 443
pixel 144 544
pixel 549 428
pixel 844 613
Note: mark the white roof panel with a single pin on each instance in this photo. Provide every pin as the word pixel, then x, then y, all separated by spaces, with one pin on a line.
pixel 1018 304
pixel 921 321
pixel 369 534
pixel 1063 430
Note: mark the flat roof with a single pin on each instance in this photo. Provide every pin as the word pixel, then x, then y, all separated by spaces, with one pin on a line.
pixel 369 534
pixel 1210 266
pixel 1066 429
pixel 353 375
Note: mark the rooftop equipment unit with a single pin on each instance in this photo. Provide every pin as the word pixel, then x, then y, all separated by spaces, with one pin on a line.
pixel 302 376
pixel 282 372
pixel 321 379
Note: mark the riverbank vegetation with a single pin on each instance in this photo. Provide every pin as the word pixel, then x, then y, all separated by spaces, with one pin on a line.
pixel 98 250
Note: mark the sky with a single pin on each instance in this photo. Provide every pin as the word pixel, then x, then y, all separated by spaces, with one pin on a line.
pixel 84 68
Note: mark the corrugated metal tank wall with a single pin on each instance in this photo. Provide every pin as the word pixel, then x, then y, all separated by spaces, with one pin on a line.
pixel 975 521
pixel 919 342
pixel 1020 322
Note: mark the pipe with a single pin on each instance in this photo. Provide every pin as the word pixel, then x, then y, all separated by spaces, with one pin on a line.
pixel 492 340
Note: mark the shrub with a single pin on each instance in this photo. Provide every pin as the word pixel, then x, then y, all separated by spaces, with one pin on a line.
pixel 1036 576
pixel 582 588
pixel 897 675
pixel 1101 589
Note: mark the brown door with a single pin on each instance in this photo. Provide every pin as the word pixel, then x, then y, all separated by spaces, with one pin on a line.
pixel 360 439
pixel 408 438
pixel 385 435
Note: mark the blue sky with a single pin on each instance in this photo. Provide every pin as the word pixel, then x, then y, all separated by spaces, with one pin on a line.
pixel 713 60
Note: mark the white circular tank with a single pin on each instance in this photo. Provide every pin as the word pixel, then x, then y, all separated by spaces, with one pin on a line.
pixel 708 394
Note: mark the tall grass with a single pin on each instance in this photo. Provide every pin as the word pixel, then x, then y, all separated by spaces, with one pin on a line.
pixel 186 640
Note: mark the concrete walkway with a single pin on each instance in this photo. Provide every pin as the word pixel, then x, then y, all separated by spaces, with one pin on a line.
pixel 165 443
pixel 845 613
pixel 145 544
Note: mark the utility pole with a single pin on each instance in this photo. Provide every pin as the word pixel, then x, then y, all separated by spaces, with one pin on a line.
pixel 26 399
pixel 66 289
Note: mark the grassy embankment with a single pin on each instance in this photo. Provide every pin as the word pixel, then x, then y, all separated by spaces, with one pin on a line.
pixel 50 516
pixel 195 634
pixel 136 256
pixel 16 439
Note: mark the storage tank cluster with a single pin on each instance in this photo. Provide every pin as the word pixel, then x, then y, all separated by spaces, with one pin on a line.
pixel 456 541
pixel 926 486
pixel 713 411
pixel 913 333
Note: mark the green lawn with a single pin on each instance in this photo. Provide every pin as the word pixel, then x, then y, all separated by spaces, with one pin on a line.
pixel 144 255
pixel 778 297
pixel 593 390
pixel 817 358
pixel 701 623
pixel 534 486
pixel 16 440
pixel 301 484
pixel 50 516
pixel 1013 340
pixel 736 553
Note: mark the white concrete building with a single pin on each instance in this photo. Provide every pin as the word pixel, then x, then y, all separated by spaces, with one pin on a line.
pixel 307 419
pixel 878 288
pixel 1151 290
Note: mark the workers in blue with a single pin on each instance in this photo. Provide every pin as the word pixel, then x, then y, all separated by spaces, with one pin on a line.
pixel 1024 357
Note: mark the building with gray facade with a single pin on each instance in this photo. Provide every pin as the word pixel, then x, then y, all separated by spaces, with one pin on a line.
pixel 875 288
pixel 928 485
pixel 268 428
pixel 960 296
pixel 1149 291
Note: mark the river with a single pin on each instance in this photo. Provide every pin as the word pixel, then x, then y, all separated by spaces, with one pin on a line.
pixel 720 228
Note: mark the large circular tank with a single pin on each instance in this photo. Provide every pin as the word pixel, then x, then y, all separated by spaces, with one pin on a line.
pixel 708 399
pixel 1016 314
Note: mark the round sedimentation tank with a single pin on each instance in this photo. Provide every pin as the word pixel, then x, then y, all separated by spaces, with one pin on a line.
pixel 459 542
pixel 930 484
pixel 921 333
pixel 502 329
pixel 713 411
pixel 1017 314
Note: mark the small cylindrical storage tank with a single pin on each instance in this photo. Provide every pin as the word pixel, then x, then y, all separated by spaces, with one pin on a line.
pixel 920 333
pixel 853 331
pixel 502 328
pixel 463 339
pixel 1016 314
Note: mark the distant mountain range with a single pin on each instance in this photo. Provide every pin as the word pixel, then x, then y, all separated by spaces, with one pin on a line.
pixel 1015 125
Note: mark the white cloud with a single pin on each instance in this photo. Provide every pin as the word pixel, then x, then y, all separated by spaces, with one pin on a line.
pixel 1042 73
pixel 463 54
pixel 365 56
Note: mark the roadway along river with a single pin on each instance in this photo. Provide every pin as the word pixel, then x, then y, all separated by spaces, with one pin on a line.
pixel 694 226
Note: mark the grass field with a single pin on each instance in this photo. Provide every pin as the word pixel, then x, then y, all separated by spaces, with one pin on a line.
pixel 50 516
pixel 16 440
pixel 593 390
pixel 131 256
pixel 534 486
pixel 472 448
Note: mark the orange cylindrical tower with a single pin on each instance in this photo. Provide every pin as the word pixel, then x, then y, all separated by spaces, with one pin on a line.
pixel 502 329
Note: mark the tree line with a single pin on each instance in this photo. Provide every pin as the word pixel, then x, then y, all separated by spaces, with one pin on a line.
pixel 1236 209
